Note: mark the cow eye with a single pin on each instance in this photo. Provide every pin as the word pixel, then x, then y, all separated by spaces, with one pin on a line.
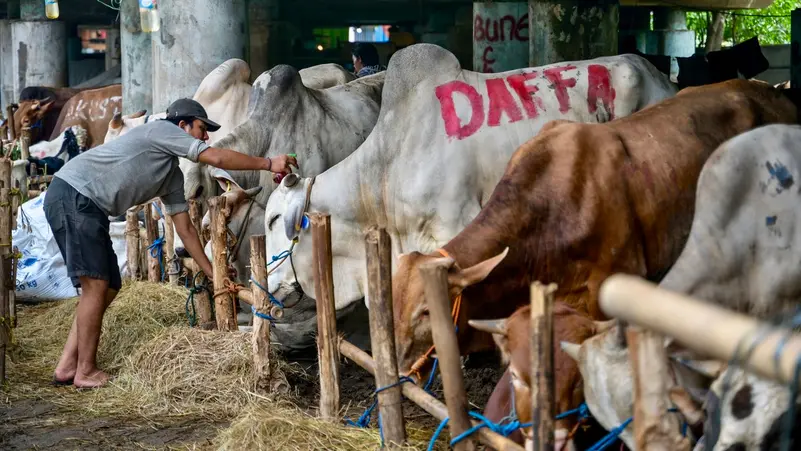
pixel 272 221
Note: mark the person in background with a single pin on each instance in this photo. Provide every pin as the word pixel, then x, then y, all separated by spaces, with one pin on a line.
pixel 365 59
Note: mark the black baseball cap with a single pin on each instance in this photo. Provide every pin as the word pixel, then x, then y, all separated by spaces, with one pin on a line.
pixel 191 108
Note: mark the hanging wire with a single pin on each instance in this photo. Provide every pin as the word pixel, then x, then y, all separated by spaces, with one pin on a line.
pixel 113 4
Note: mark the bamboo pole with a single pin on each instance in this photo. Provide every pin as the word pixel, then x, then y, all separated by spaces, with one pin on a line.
pixel 435 284
pixel 700 326
pixel 224 299
pixel 261 327
pixel 152 231
pixel 132 242
pixel 654 428
pixel 327 352
pixel 426 402
pixel 382 335
pixel 542 387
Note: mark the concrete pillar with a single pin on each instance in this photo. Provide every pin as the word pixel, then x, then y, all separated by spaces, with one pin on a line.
pixel 39 54
pixel 571 30
pixel 136 57
pixel 671 36
pixel 6 66
pixel 260 17
pixel 196 36
pixel 113 47
pixel 500 36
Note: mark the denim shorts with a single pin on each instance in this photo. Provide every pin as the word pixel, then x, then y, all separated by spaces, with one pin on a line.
pixel 81 230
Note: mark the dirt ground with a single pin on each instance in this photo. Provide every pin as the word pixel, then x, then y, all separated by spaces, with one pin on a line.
pixel 41 424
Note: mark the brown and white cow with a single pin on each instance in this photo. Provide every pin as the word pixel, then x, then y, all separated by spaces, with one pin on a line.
pixel 91 110
pixel 39 109
pixel 513 337
pixel 580 202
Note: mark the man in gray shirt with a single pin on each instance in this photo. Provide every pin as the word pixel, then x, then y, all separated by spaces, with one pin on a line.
pixel 107 181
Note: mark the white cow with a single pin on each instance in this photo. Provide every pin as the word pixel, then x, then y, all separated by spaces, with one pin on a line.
pixel 441 144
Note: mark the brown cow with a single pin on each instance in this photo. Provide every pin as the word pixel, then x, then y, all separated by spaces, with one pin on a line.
pixel 39 109
pixel 91 109
pixel 513 337
pixel 579 202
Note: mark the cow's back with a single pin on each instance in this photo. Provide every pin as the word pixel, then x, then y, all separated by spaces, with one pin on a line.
pixel 742 252
pixel 92 110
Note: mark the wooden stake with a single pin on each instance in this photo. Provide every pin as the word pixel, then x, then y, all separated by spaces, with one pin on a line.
pixel 171 263
pixel 542 387
pixel 132 242
pixel 427 402
pixel 382 335
pixel 196 216
pixel 223 300
pixel 11 125
pixel 152 230
pixel 654 428
pixel 16 200
pixel 261 327
pixel 5 173
pixel 25 143
pixel 327 350
pixel 435 283
pixel 205 317
pixel 5 275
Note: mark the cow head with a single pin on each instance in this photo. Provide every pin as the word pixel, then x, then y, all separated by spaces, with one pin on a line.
pixel 412 325
pixel 285 221
pixel 30 114
pixel 608 384
pixel 122 124
pixel 513 337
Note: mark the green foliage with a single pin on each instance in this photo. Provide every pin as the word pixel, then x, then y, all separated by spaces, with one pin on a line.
pixel 771 24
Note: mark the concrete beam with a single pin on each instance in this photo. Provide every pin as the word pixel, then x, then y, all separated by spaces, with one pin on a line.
pixel 39 54
pixel 136 56
pixel 196 36
pixel 571 30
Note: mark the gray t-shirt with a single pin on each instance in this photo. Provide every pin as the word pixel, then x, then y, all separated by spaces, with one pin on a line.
pixel 135 168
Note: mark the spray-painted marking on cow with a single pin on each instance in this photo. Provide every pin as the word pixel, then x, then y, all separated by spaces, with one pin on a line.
pixel 780 173
pixel 507 94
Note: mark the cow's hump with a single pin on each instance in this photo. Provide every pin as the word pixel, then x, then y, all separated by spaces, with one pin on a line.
pixel 411 65
pixel 274 87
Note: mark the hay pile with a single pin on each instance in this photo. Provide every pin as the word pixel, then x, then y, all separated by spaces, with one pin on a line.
pixel 284 427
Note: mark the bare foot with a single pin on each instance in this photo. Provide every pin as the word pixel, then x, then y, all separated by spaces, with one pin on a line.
pixel 64 374
pixel 96 379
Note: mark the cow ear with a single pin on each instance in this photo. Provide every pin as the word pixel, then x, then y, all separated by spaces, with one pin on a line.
pixel 116 122
pixel 571 349
pixel 253 192
pixel 290 180
pixel 475 274
pixel 224 179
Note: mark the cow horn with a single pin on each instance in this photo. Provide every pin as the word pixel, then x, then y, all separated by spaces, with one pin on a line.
pixel 570 349
pixel 138 114
pixel 493 326
pixel 252 192
pixel 603 326
pixel 116 121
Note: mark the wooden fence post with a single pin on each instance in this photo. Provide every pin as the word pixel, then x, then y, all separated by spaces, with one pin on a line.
pixel 11 125
pixel 5 272
pixel 542 385
pixel 224 309
pixel 327 346
pixel 382 335
pixel 171 263
pixel 261 327
pixel 25 143
pixel 152 230
pixel 196 216
pixel 435 283
pixel 654 428
pixel 132 242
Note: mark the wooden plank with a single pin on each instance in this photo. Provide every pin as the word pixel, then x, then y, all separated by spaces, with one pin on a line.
pixel 261 327
pixel 435 284
pixel 542 387
pixel 702 327
pixel 224 310
pixel 382 335
pixel 327 350
pixel 426 402
pixel 655 429
pixel 151 229
pixel 132 243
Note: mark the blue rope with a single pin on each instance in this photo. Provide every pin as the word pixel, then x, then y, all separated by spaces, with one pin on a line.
pixel 157 252
pixel 583 412
pixel 431 377
pixel 499 428
pixel 273 300
pixel 610 438
pixel 156 206
pixel 37 124
pixel 263 316
pixel 280 256
pixel 364 419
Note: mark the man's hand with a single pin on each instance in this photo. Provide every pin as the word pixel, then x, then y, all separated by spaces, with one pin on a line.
pixel 280 163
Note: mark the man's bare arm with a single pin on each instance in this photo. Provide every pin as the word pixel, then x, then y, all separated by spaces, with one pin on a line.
pixel 236 161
